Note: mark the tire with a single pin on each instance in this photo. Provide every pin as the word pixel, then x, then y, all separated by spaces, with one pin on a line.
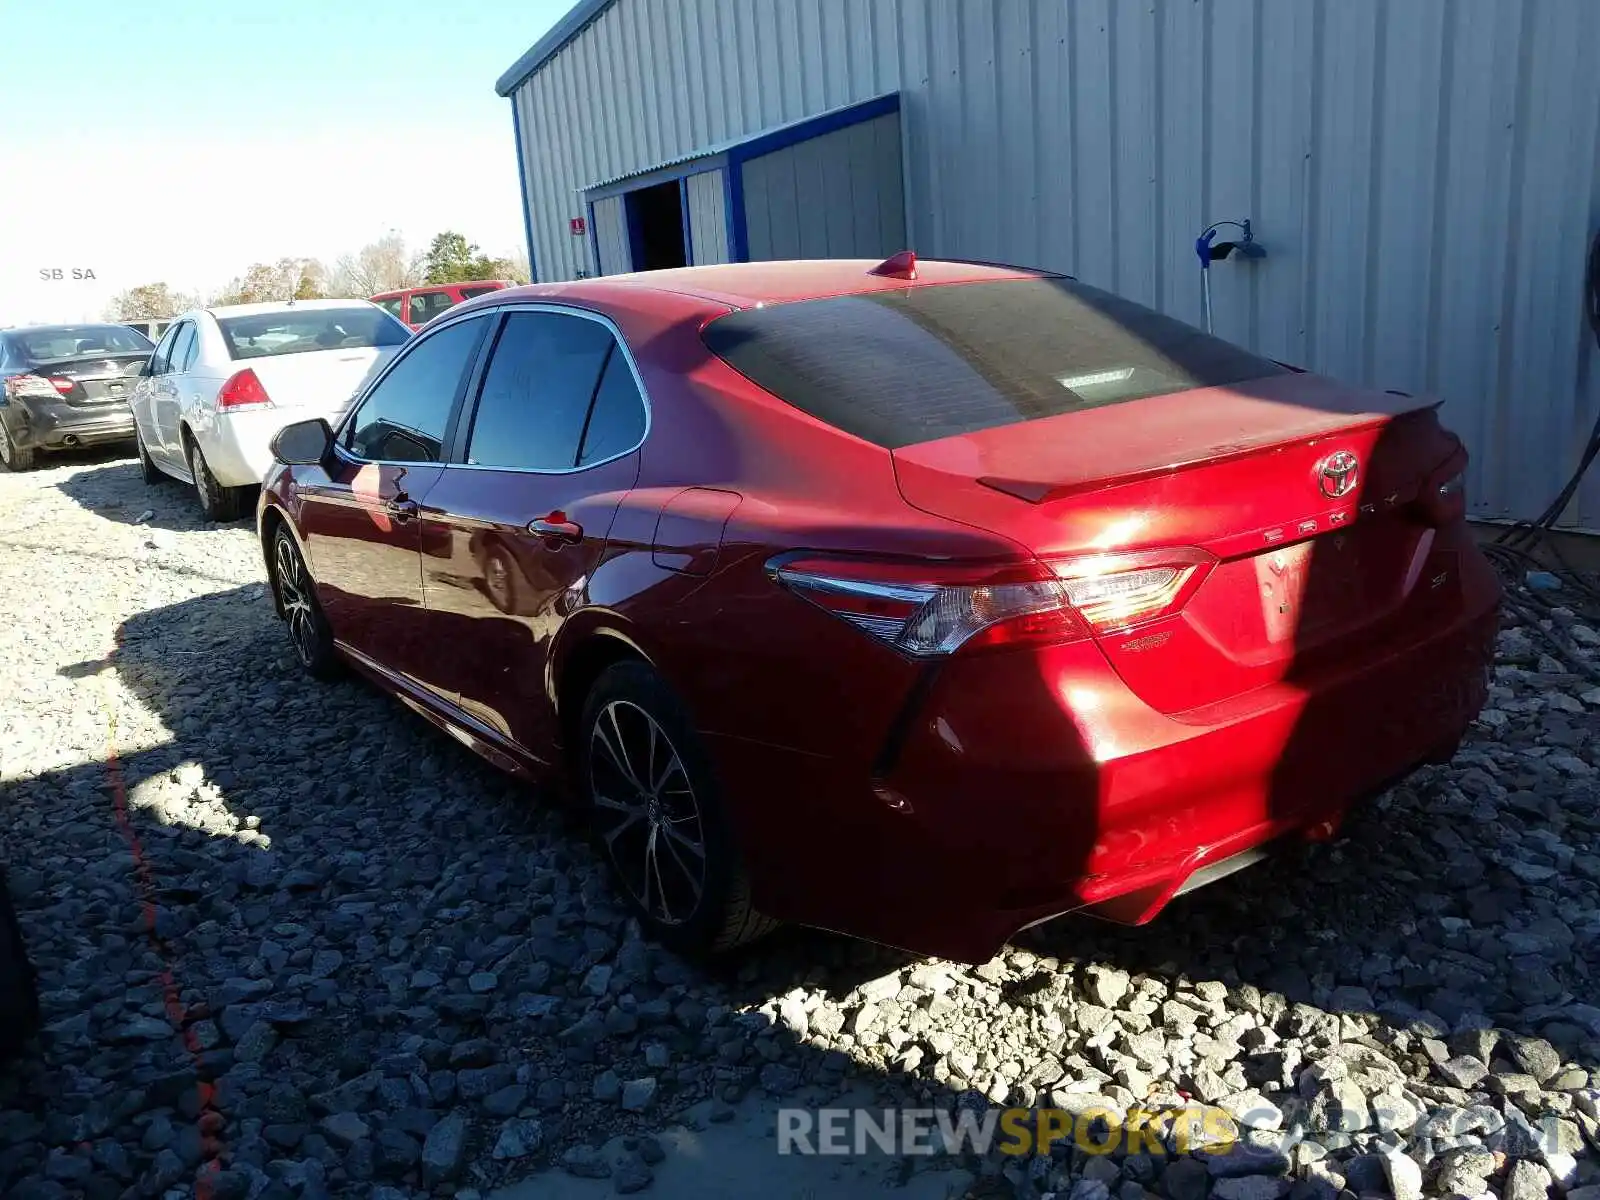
pixel 15 457
pixel 217 502
pixel 19 988
pixel 500 580
pixel 636 825
pixel 310 635
pixel 147 467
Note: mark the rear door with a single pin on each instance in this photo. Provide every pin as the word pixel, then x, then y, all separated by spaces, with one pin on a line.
pixel 516 527
pixel 143 400
pixel 360 522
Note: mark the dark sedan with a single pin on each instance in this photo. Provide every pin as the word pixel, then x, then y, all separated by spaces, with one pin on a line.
pixel 63 386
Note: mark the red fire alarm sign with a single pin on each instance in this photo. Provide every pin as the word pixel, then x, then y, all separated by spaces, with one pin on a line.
pixel 579 226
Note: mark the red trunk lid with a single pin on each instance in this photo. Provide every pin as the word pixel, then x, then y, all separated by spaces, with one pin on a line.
pixel 1302 574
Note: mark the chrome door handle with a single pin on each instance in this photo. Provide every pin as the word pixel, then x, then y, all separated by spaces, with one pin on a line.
pixel 563 531
pixel 401 510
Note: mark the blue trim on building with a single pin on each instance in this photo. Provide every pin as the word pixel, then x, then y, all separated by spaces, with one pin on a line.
pixel 522 184
pixel 683 212
pixel 738 229
pixel 594 239
pixel 563 31
pixel 732 230
pixel 730 158
pixel 813 127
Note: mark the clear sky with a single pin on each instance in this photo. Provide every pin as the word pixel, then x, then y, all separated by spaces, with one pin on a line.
pixel 185 140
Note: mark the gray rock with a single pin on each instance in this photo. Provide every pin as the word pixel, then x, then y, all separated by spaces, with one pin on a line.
pixel 1462 1072
pixel 519 1138
pixel 1249 1187
pixel 630 1173
pixel 1536 1056
pixel 1107 985
pixel 1404 1175
pixel 1339 1106
pixel 639 1095
pixel 344 1128
pixel 444 1149
pixel 1526 1181
pixel 1186 1179
pixel 586 1163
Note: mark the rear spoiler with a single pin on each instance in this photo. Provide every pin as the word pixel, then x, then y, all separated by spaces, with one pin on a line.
pixel 1042 492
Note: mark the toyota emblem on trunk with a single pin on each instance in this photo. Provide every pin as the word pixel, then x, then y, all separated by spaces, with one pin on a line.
pixel 1338 474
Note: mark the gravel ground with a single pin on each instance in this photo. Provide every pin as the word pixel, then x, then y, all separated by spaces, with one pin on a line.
pixel 294 943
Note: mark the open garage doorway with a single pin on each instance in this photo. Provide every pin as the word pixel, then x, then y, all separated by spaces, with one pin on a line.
pixel 655 227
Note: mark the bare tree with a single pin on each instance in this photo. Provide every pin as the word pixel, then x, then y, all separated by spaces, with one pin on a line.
pixel 516 267
pixel 379 266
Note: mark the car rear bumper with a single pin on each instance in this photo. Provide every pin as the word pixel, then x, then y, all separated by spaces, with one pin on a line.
pixel 1029 785
pixel 237 446
pixel 62 426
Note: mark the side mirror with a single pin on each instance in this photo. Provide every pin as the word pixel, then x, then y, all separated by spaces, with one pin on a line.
pixel 144 367
pixel 303 444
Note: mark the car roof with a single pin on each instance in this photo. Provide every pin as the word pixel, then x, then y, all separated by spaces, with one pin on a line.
pixel 440 287
pixel 746 285
pixel 64 325
pixel 273 306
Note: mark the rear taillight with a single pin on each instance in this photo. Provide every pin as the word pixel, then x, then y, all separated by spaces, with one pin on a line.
pixel 243 390
pixel 1115 592
pixel 36 386
pixel 61 385
pixel 930 610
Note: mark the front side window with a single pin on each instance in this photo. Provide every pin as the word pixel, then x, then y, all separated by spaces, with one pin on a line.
pixel 391 305
pixel 404 417
pixel 537 390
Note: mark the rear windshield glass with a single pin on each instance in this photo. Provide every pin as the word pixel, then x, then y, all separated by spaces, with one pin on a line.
pixel 914 365
pixel 69 341
pixel 301 331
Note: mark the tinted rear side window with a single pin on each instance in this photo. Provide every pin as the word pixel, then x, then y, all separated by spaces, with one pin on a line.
pixel 617 423
pixel 914 365
pixel 537 391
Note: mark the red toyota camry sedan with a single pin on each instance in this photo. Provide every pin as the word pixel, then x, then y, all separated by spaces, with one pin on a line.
pixel 917 601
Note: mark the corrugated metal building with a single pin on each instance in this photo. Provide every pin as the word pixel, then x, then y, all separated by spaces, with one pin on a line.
pixel 1424 174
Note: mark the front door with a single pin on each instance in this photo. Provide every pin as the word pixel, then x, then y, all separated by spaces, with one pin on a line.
pixel 361 521
pixel 550 449
pixel 165 396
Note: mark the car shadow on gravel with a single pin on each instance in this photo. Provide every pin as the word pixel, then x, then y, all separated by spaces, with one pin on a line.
pixel 166 504
pixel 392 962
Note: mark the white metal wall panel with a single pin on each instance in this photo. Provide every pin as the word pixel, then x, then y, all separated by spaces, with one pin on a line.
pixel 611 236
pixel 834 196
pixel 708 220
pixel 1423 173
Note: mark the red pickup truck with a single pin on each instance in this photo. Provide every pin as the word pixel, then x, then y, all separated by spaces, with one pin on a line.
pixel 419 305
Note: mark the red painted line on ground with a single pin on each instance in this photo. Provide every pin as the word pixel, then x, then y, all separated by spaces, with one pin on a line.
pixel 210 1121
